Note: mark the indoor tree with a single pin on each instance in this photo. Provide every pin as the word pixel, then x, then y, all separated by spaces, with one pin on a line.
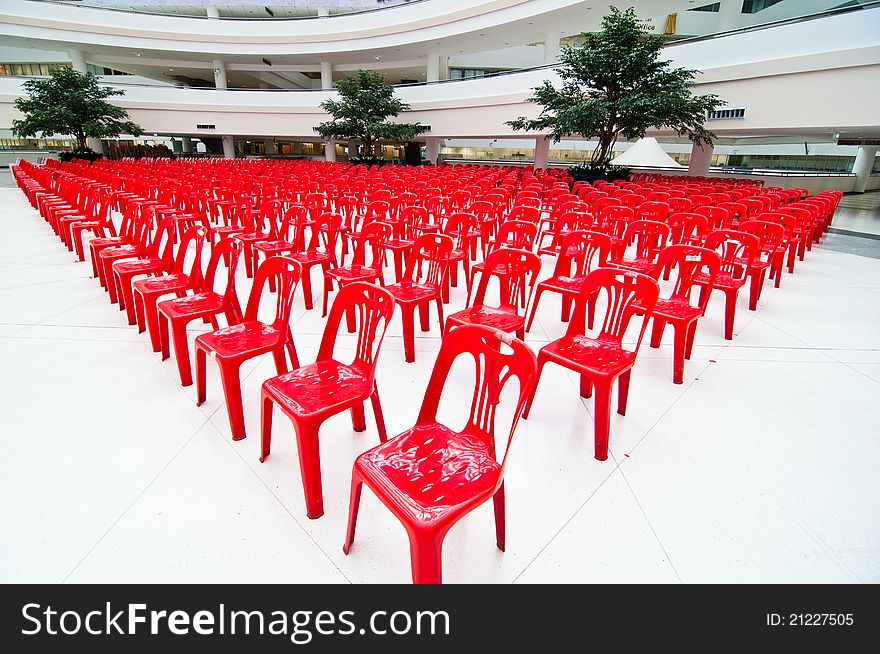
pixel 616 85
pixel 69 102
pixel 366 103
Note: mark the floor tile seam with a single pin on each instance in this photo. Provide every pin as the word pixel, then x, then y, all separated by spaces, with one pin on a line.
pixel 286 509
pixel 135 500
pixel 567 522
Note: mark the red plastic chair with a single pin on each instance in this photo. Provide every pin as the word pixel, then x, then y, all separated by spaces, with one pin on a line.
pixel 206 305
pixel 320 251
pixel 602 360
pixel 649 237
pixel 231 346
pixel 146 292
pixel 517 272
pixel 422 283
pixel 581 252
pixel 431 476
pixel 737 250
pixel 770 256
pixel 372 238
pixel 312 393
pixel 678 309
pixel 151 256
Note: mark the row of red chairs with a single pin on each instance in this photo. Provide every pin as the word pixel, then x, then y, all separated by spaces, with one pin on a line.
pixel 160 238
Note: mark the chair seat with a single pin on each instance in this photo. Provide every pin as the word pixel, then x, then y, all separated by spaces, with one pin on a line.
pixel 311 256
pixel 318 389
pixel 136 265
pixel 252 237
pixel 724 281
pixel 639 265
pixel 506 320
pixel 675 309
pixel 244 338
pixel 121 251
pixel 593 355
pixel 106 242
pixel 274 246
pixel 354 273
pixel 192 305
pixel 429 473
pixel 163 283
pixel 399 243
pixel 564 284
pixel 408 291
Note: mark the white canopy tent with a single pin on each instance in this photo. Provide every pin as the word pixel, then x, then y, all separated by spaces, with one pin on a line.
pixel 647 153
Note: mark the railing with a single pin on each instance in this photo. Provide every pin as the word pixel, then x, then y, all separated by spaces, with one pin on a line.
pixel 145 10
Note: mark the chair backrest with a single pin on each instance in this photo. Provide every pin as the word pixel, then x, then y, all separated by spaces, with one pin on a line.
pixel 325 231
pixel 650 237
pixel 688 261
pixel 626 293
pixel 652 210
pixel 195 237
pixel 524 212
pixel 581 252
pixel 770 233
pixel 736 250
pixel 286 274
pixel 429 258
pixel 372 238
pixel 372 307
pixel 459 226
pixel 516 270
pixel 495 365
pixel 718 217
pixel 685 227
pixel 517 234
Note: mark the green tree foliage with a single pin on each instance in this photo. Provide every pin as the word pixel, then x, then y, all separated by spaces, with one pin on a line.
pixel 366 103
pixel 615 86
pixel 72 103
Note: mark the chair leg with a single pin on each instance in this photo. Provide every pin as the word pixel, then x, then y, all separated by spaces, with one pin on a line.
pixel 201 365
pixel 528 406
pixel 353 505
pixel 426 554
pixel 140 318
pixel 424 321
pixel 377 412
pixel 305 283
pixel 566 308
pixel 358 419
pixel 310 467
pixel 266 406
pixel 280 360
pixel 586 386
pixel 657 331
pixel 602 419
pixel 498 501
pixel 181 353
pixel 729 313
pixel 151 314
pixel 692 332
pixel 409 345
pixel 622 392
pixel 232 391
pixel 679 352
pixel 537 297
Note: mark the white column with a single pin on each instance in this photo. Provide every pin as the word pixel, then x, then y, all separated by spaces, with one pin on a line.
pixel 219 74
pixel 542 152
pixel 444 68
pixel 551 47
pixel 433 72
pixel 329 150
pixel 433 149
pixel 228 147
pixel 186 144
pixel 326 75
pixel 863 166
pixel 269 143
pixel 701 159
pixel 212 12
pixel 323 12
pixel 729 15
pixel 78 59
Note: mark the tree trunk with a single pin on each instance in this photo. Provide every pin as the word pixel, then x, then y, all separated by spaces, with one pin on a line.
pixel 81 141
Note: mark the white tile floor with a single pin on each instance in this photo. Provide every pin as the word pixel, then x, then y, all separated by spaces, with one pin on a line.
pixel 763 466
